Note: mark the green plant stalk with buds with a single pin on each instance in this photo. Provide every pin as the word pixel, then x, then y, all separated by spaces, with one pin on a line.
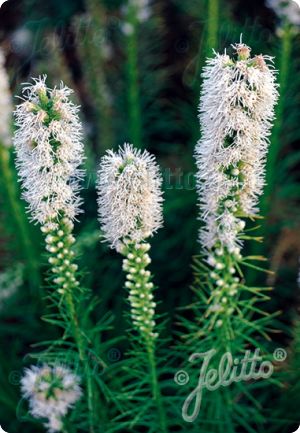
pixel 50 186
pixel 59 245
pixel 230 157
pixel 143 306
pixel 130 211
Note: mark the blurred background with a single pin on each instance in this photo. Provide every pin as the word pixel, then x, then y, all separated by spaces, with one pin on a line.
pixel 137 79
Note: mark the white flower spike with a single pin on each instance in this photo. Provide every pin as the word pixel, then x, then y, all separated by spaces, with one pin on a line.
pixel 51 392
pixel 5 105
pixel 236 114
pixel 129 196
pixel 49 152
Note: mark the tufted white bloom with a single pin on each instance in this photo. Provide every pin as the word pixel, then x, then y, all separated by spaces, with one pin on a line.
pixel 49 151
pixel 5 105
pixel 130 197
pixel 51 392
pixel 236 113
pixel 288 10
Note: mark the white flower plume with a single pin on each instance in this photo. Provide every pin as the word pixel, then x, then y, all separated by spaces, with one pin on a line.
pixel 5 105
pixel 51 391
pixel 130 197
pixel 49 151
pixel 236 114
pixel 288 10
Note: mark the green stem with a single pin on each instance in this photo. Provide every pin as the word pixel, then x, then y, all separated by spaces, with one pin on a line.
pixel 212 26
pixel 59 243
pixel 276 143
pixel 79 340
pixel 17 215
pixel 156 393
pixel 143 314
pixel 134 107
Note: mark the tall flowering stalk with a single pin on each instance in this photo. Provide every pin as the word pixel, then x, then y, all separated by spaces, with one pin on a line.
pixel 236 114
pixel 130 211
pixel 8 177
pixel 49 155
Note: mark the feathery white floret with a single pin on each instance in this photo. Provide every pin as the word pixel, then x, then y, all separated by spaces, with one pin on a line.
pixel 130 197
pixel 288 10
pixel 51 392
pixel 5 105
pixel 236 113
pixel 49 151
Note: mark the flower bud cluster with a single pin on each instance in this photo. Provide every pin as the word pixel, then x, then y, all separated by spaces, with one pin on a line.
pixel 140 289
pixel 59 242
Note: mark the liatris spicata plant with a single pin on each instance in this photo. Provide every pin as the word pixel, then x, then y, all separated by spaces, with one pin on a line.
pixel 51 391
pixel 236 111
pixel 130 211
pixel 49 155
pixel 236 114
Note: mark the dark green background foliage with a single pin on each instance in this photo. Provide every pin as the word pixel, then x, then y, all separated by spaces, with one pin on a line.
pixel 52 37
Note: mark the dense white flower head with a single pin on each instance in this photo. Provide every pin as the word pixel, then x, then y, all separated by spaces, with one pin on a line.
pixel 130 197
pixel 49 151
pixel 5 105
pixel 236 114
pixel 51 391
pixel 288 10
